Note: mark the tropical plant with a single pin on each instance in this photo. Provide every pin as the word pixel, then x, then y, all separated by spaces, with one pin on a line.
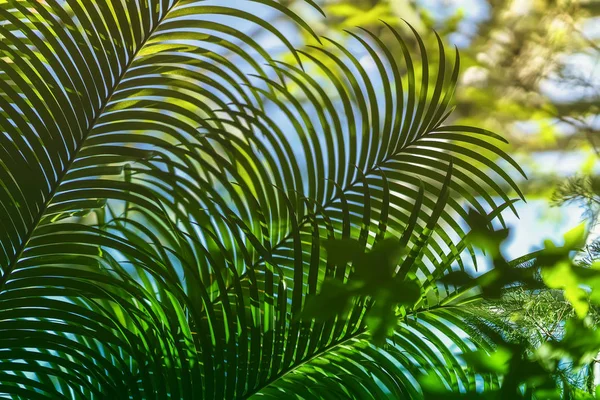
pixel 168 188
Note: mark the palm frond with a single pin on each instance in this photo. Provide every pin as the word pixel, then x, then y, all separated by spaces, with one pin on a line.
pixel 355 368
pixel 166 188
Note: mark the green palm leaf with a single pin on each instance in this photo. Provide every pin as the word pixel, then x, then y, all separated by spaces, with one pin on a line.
pixel 167 187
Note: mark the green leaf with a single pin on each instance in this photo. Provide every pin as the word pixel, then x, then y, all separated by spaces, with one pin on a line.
pixel 334 299
pixel 342 251
pixel 496 362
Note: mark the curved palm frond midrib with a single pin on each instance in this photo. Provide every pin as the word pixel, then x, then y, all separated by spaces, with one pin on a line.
pixel 323 208
pixel 362 330
pixel 308 359
pixel 75 153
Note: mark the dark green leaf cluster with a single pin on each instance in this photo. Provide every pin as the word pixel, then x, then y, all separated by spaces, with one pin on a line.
pixel 531 372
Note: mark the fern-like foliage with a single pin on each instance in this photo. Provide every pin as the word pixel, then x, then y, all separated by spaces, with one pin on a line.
pixel 166 188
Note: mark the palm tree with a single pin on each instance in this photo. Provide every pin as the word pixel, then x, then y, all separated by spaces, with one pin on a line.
pixel 167 188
